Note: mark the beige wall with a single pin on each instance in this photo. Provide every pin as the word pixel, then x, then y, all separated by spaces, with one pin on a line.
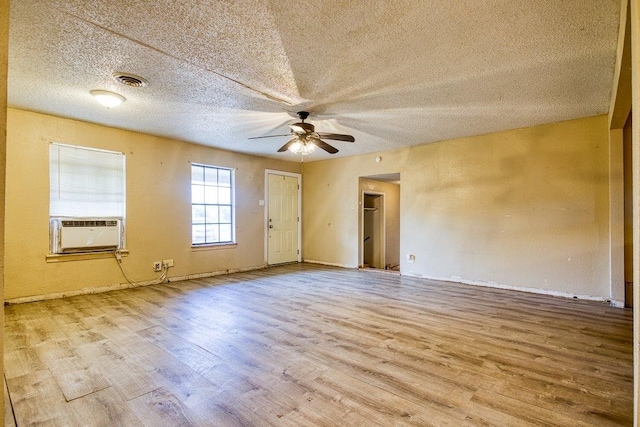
pixel 330 204
pixel 616 216
pixel 4 50
pixel 525 208
pixel 628 202
pixel 158 207
pixel 635 148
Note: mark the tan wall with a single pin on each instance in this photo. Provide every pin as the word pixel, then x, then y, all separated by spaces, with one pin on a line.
pixel 330 204
pixel 616 217
pixel 635 172
pixel 628 202
pixel 522 208
pixel 525 208
pixel 158 207
pixel 4 50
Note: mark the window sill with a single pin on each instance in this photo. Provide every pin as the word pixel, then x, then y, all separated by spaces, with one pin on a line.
pixel 213 246
pixel 51 258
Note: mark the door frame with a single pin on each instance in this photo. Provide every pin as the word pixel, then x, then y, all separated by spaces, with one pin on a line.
pixel 268 172
pixel 382 226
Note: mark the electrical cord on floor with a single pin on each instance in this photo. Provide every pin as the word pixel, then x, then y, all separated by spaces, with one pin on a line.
pixel 160 279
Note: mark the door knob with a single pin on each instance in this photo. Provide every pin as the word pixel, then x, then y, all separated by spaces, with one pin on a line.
pixel 270 226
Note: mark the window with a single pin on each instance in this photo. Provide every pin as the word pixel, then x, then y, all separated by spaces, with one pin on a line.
pixel 85 182
pixel 86 199
pixel 212 201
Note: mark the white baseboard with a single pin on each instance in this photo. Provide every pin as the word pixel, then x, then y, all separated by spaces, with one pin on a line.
pixel 76 292
pixel 613 303
pixel 119 286
pixel 216 273
pixel 514 288
pixel 311 261
pixel 616 303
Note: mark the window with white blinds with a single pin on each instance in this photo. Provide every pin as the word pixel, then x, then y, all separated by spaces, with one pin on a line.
pixel 86 182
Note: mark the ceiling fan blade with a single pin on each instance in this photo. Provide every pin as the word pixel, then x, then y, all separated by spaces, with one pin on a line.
pixel 286 146
pixel 326 147
pixel 269 136
pixel 297 129
pixel 337 136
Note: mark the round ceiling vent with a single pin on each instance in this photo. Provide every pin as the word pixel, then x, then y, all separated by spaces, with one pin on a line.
pixel 130 80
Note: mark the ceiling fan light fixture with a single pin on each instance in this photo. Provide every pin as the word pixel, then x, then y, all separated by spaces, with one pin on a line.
pixel 302 147
pixel 305 139
pixel 108 99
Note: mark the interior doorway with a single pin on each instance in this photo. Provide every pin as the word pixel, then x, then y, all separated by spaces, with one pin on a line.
pixel 373 249
pixel 379 236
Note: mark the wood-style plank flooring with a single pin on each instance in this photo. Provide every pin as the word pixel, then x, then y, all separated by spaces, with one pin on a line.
pixel 306 345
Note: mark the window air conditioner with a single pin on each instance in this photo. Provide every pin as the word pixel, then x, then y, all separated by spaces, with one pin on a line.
pixel 86 235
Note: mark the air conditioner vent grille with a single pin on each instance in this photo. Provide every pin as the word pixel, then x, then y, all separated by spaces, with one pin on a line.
pixel 89 223
pixel 130 80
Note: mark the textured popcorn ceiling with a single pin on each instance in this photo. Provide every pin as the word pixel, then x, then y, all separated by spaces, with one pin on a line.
pixel 391 73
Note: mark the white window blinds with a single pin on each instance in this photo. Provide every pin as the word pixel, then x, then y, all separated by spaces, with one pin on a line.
pixel 86 182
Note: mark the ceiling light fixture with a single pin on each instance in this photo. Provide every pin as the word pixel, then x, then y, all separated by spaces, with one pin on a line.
pixel 108 99
pixel 302 146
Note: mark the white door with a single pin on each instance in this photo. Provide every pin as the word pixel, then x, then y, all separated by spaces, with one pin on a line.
pixel 282 219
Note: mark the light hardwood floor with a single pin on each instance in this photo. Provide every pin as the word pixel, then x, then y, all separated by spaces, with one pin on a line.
pixel 305 345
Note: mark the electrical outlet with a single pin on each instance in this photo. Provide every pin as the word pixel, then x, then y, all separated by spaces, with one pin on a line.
pixel 167 262
pixel 157 266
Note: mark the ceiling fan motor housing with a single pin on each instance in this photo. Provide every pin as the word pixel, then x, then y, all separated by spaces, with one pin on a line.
pixel 308 127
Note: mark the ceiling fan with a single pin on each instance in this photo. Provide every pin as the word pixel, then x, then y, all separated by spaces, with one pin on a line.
pixel 306 139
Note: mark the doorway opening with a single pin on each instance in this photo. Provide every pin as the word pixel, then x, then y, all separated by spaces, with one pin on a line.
pixel 373 255
pixel 379 237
